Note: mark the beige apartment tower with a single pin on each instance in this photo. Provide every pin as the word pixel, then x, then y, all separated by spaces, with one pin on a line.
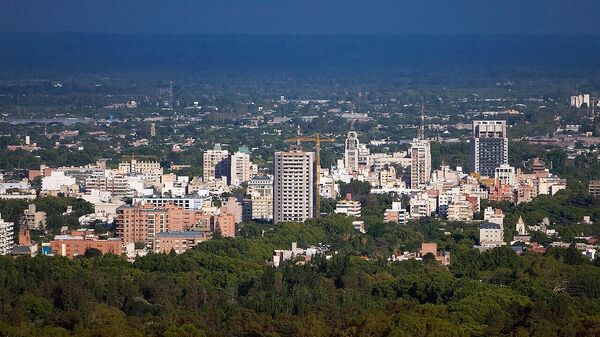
pixel 420 166
pixel 216 163
pixel 293 186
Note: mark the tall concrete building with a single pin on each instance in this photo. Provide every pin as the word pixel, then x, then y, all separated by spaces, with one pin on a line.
pixel 7 237
pixel 260 189
pixel 356 155
pixel 351 152
pixel 241 167
pixel 420 166
pixel 489 146
pixel 216 164
pixel 294 185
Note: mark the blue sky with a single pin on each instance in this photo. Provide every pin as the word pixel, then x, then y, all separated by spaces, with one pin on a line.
pixel 303 16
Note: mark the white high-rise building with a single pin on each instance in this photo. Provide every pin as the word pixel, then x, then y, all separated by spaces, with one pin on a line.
pixel 489 146
pixel 241 167
pixel 215 163
pixel 7 236
pixel 356 155
pixel 420 167
pixel 351 152
pixel 293 188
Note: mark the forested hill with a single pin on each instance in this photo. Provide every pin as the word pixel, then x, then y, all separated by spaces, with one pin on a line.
pixel 224 288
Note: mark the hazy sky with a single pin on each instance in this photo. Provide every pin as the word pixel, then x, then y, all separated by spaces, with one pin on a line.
pixel 302 16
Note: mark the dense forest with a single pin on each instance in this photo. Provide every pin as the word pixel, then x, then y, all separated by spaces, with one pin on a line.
pixel 224 287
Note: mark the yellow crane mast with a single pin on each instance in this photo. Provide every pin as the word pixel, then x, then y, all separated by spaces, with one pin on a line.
pixel 316 138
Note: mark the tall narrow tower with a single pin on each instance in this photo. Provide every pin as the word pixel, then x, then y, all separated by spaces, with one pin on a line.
pixel 420 155
pixel 489 146
pixel 351 152
pixel 171 95
pixel 293 185
pixel 421 132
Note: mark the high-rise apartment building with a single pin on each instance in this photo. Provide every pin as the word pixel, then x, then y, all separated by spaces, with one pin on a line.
pixel 489 146
pixel 260 189
pixel 241 167
pixel 7 237
pixel 294 185
pixel 420 167
pixel 216 163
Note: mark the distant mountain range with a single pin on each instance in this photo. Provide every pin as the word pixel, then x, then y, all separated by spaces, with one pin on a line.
pixel 312 53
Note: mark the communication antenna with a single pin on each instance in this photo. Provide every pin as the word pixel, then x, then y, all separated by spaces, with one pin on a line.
pixel 421 133
pixel 171 94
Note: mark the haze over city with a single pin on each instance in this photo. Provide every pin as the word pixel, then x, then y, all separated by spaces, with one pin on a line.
pixel 299 168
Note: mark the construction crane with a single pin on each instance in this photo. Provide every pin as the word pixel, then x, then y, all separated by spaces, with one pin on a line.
pixel 316 138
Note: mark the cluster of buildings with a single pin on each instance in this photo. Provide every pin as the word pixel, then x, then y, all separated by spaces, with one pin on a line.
pixel 163 212
pixel 428 250
pixel 580 100
pixel 450 194
pixel 301 255
pixel 491 235
pixel 169 212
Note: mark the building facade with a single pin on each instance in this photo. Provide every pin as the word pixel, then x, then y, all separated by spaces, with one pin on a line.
pixel 33 219
pixel 179 242
pixel 150 171
pixel 348 207
pixel 594 188
pixel 260 189
pixel 396 214
pixel 108 181
pixel 420 167
pixel 215 164
pixel 490 234
pixel 293 187
pixel 356 155
pixel 7 236
pixel 241 167
pixel 73 246
pixel 489 146
pixel 141 222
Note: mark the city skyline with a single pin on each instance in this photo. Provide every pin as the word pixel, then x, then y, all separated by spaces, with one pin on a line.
pixel 317 168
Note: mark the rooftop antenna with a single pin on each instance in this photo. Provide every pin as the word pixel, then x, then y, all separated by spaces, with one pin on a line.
pixel 421 134
pixel 171 94
pixel 298 133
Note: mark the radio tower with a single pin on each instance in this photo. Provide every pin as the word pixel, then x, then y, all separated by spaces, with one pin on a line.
pixel 421 134
pixel 171 95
